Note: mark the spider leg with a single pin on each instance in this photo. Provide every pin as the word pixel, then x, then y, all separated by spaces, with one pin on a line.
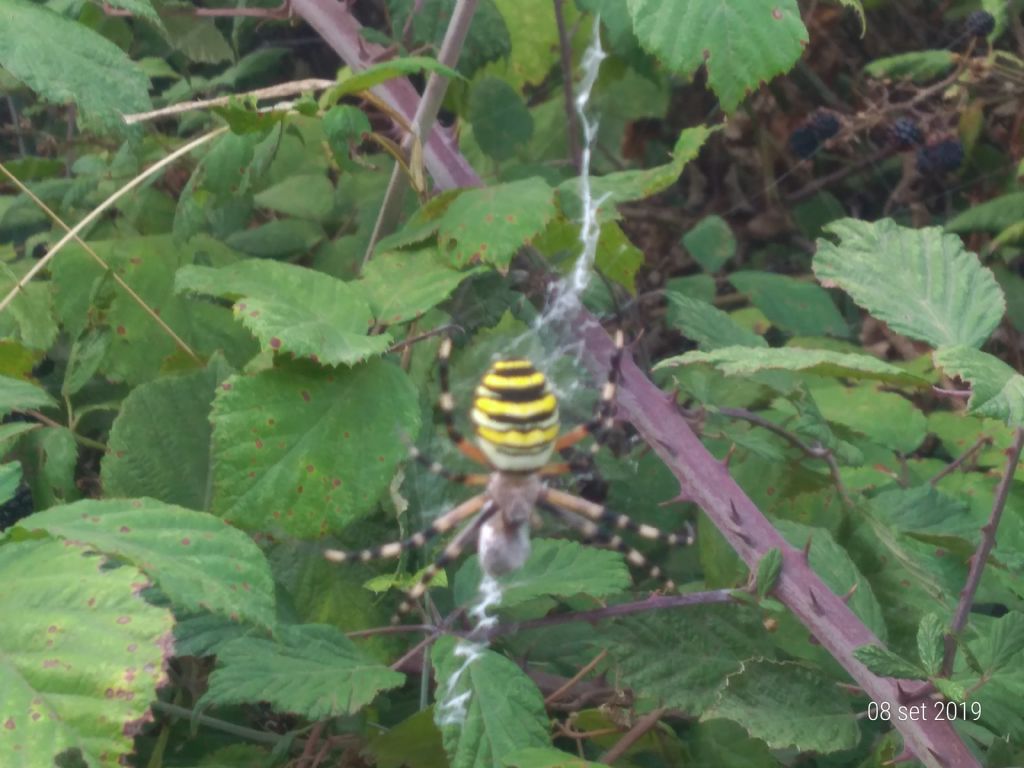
pixel 437 468
pixel 441 525
pixel 591 531
pixel 447 405
pixel 603 516
pixel 603 420
pixel 449 553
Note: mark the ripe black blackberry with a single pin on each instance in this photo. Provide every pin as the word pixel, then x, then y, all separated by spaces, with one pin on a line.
pixel 803 142
pixel 905 133
pixel 17 507
pixel 825 125
pixel 940 157
pixel 980 24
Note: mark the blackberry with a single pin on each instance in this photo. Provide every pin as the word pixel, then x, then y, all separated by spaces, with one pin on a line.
pixel 803 142
pixel 941 157
pixel 905 133
pixel 17 507
pixel 980 24
pixel 824 124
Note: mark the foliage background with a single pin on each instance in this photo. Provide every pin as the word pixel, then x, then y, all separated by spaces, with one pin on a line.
pixel 810 229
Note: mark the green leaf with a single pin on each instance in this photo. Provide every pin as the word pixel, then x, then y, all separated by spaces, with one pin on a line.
pixel 992 215
pixel 1002 642
pixel 10 480
pixel 706 324
pixel 81 656
pixel 741 42
pixel 885 417
pixel 501 122
pixel 788 706
pixel 487 708
pixel 556 567
pixel 402 285
pixel 800 308
pixel 744 361
pixel 309 451
pixel 53 456
pixel 919 66
pixel 921 282
pixel 927 514
pixel 345 126
pixel 883 662
pixel 141 8
pixel 304 196
pixel 20 395
pixel 159 444
pixel 711 242
pixel 293 309
pixel 524 45
pixel 768 568
pixel 723 743
pixel 312 670
pixel 930 635
pixel 546 757
pixel 30 316
pixel 951 689
pixel 997 390
pixel 63 60
pixel 490 224
pixel 717 639
pixel 353 82
pixel 625 186
pixel 87 354
pixel 413 743
pixel 278 239
pixel 617 258
pixel 196 560
pixel 198 39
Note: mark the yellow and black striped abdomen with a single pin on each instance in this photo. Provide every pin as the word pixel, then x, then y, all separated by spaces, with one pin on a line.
pixel 515 416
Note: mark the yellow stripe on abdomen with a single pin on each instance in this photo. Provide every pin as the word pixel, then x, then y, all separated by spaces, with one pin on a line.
pixel 516 439
pixel 541 408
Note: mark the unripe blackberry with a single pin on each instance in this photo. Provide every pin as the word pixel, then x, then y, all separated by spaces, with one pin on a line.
pixel 980 24
pixel 824 124
pixel 905 133
pixel 941 157
pixel 803 142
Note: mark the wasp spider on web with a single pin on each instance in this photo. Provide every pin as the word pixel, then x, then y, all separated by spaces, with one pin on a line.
pixel 516 424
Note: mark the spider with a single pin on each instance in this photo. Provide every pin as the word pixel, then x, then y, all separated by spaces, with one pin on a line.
pixel 515 418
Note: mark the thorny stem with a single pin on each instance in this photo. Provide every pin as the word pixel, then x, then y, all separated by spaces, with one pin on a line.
pixel 980 557
pixel 980 443
pixel 426 114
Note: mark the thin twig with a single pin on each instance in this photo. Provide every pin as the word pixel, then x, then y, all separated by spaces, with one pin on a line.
pixel 94 214
pixel 391 629
pixel 262 737
pixel 572 124
pixel 441 329
pixel 633 735
pixel 271 92
pixel 557 694
pixel 980 443
pixel 182 345
pixel 283 11
pixel 980 557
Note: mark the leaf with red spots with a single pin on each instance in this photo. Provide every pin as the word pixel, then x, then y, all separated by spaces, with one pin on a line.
pixel 194 558
pixel 81 655
pixel 742 42
pixel 402 285
pixel 489 225
pixel 334 434
pixel 310 669
pixel 159 445
pixel 293 309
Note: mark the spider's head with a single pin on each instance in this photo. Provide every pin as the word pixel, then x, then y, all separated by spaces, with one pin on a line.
pixel 515 416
